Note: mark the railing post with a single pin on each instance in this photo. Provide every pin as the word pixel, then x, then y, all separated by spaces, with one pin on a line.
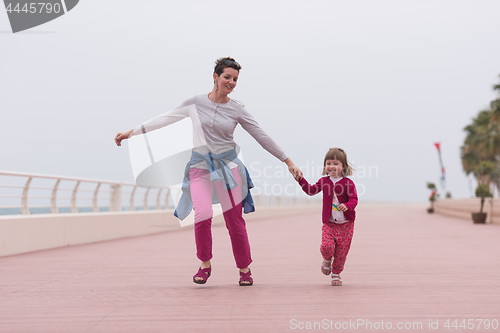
pixel 24 199
pixel 95 207
pixel 167 206
pixel 145 205
pixel 74 209
pixel 131 204
pixel 53 198
pixel 158 199
pixel 115 199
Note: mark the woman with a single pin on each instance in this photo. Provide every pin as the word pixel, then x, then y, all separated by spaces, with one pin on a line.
pixel 214 165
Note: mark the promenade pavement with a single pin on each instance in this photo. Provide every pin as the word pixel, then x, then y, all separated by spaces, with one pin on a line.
pixel 407 271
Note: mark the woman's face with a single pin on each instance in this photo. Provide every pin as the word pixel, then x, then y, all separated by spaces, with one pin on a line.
pixel 227 80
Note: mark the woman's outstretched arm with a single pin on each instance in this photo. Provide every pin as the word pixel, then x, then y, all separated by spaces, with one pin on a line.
pixel 162 120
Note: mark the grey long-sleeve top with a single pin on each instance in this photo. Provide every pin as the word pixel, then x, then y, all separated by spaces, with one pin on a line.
pixel 214 125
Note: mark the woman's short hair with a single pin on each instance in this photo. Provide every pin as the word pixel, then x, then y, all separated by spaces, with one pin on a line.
pixel 226 62
pixel 340 155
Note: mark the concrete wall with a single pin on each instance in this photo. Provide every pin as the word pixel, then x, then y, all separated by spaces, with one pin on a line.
pixel 27 233
pixel 462 208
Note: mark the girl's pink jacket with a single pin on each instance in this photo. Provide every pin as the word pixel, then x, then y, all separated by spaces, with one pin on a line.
pixel 346 194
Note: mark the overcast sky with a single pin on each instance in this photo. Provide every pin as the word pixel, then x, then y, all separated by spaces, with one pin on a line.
pixel 382 79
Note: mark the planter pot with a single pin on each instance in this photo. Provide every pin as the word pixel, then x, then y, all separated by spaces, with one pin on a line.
pixel 430 210
pixel 479 217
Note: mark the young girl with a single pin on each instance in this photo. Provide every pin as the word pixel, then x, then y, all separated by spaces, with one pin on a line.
pixel 339 201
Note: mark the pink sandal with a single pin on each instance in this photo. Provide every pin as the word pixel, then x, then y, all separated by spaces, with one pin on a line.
pixel 204 274
pixel 336 280
pixel 246 278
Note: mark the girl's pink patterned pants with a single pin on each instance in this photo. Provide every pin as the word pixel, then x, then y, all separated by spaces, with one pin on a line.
pixel 336 241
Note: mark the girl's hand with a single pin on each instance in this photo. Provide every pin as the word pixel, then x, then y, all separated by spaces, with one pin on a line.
pixel 119 137
pixel 343 207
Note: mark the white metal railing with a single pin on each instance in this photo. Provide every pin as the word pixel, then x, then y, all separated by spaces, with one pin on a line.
pixel 119 199
pixel 115 193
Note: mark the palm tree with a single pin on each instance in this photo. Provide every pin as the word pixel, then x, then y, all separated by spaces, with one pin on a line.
pixel 481 152
pixel 481 145
pixel 497 86
pixel 481 142
pixel 495 117
pixel 495 106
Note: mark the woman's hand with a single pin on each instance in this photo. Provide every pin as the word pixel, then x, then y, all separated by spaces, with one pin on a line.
pixel 122 136
pixel 294 170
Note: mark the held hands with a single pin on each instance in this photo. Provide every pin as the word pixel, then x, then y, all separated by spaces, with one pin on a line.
pixel 294 170
pixel 119 137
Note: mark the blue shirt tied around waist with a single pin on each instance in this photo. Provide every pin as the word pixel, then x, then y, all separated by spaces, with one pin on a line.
pixel 217 173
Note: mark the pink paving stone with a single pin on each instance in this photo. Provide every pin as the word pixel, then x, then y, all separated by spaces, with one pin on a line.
pixel 405 266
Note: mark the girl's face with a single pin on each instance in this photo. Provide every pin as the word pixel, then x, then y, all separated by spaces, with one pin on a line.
pixel 334 168
pixel 227 80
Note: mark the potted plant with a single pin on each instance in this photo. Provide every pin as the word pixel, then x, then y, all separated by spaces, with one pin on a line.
pixel 483 173
pixel 482 191
pixel 432 197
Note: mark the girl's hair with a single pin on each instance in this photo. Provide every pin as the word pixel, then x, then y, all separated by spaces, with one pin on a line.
pixel 340 155
pixel 226 62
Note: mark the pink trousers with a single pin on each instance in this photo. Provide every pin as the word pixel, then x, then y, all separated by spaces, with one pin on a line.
pixel 202 189
pixel 336 242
